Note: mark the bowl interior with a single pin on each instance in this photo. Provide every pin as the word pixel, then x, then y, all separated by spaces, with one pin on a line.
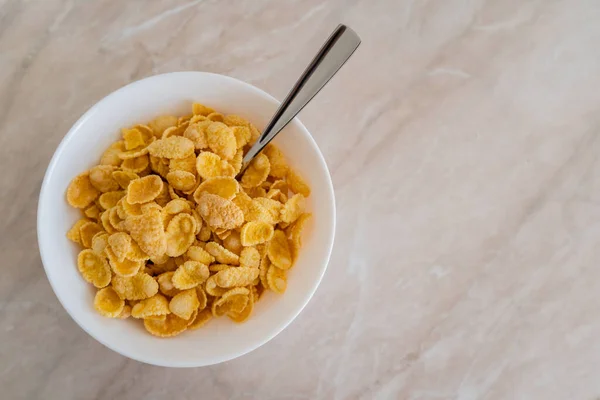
pixel 139 102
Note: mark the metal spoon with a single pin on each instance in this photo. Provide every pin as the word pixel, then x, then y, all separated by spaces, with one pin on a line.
pixel 330 58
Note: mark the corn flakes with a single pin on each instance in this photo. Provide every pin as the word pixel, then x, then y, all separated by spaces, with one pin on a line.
pixel 172 237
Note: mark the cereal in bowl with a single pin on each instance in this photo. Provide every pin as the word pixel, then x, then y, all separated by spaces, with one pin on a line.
pixel 169 236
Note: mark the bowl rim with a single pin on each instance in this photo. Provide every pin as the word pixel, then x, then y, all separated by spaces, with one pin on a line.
pixel 44 193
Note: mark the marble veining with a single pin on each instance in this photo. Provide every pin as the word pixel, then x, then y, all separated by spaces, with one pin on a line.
pixel 463 143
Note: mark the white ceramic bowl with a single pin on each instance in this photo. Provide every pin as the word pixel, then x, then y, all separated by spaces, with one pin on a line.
pixel 173 93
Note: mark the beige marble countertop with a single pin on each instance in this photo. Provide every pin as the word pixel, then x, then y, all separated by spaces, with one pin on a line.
pixel 463 143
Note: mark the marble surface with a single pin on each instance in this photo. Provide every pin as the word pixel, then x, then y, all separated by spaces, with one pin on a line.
pixel 463 143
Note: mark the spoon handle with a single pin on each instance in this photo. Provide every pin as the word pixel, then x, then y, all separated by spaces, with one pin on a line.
pixel 330 58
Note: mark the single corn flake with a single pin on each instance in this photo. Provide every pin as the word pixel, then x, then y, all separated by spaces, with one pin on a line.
pixel 242 135
pixel 87 232
pixel 199 221
pixel 296 183
pixel 242 316
pixel 212 288
pixel 184 304
pixel 197 253
pixel 222 186
pixel 235 299
pixel 154 306
pixel 236 161
pixel 125 313
pixel 93 268
pixel 108 303
pixel 159 167
pixel 204 234
pixel 187 164
pixel 272 206
pixel 111 155
pixel 236 277
pixel 136 165
pixel 276 279
pixel 258 212
pixel 148 231
pixel 144 189
pixel 250 258
pixel 277 161
pixel 124 268
pixel 165 284
pixel 120 244
pixel 196 132
pixel 221 140
pixel 201 319
pixel 222 233
pixel 109 199
pixel 279 251
pixel 221 254
pixel 265 264
pixel 295 230
pixel 180 234
pixel 137 287
pixel 105 220
pixel 202 299
pixel 218 267
pixel 170 326
pixel 200 109
pixel 215 117
pixel 256 232
pixel 233 242
pixel 133 138
pixel 101 178
pixel 172 147
pixel 124 177
pixel 257 172
pixel 160 124
pixel 244 202
pixel 219 212
pixel 135 253
pixel 174 131
pixel 92 212
pixel 293 208
pixel 190 275
pixel 210 165
pixel 73 234
pixel 181 180
pixel 81 192
pixel 99 243
pixel 235 120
